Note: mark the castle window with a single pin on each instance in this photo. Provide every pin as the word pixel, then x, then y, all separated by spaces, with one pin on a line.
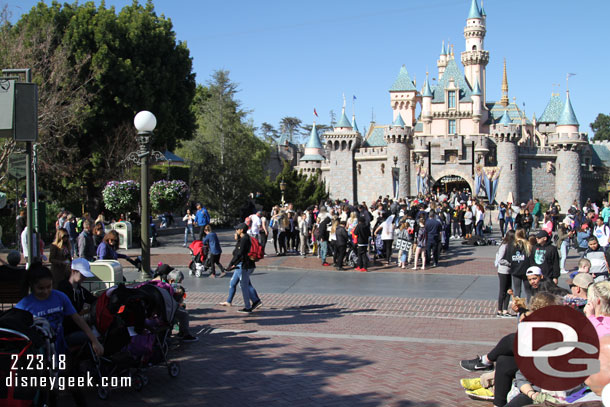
pixel 451 99
pixel 451 129
pixel 474 47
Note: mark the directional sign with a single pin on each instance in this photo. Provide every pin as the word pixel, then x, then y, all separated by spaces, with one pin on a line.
pixel 16 166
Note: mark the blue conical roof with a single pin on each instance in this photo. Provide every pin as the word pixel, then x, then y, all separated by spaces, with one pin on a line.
pixel 314 140
pixel 354 125
pixel 427 92
pixel 443 52
pixel 553 110
pixel 505 119
pixel 403 82
pixel 475 12
pixel 344 122
pixel 399 121
pixel 567 115
pixel 477 89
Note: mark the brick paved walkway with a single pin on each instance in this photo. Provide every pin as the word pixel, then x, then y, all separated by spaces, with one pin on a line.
pixel 311 350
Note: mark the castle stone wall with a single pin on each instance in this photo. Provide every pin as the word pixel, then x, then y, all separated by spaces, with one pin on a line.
pixel 535 181
pixel 568 183
pixel 342 178
pixel 507 154
pixel 401 152
pixel 371 181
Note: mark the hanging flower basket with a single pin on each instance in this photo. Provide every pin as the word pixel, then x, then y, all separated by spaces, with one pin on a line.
pixel 121 196
pixel 167 196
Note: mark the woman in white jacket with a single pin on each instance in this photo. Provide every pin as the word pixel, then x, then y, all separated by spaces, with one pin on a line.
pixel 503 264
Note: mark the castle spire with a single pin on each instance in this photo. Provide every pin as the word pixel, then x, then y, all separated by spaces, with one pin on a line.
pixel 504 100
pixel 427 92
pixel 443 52
pixel 568 117
pixel 475 12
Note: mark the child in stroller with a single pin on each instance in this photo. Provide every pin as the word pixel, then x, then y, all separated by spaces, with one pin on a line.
pixel 199 256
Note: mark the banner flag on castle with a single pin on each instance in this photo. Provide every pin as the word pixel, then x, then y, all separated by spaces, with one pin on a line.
pixel 477 180
pixel 490 178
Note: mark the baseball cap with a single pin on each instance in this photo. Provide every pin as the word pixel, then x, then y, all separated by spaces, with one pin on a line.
pixel 582 280
pixel 533 271
pixel 522 204
pixel 584 226
pixel 241 226
pixel 82 266
pixel 541 234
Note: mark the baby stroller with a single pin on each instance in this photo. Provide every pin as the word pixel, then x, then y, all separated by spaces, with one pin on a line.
pixel 135 323
pixel 199 258
pixel 24 341
pixel 351 257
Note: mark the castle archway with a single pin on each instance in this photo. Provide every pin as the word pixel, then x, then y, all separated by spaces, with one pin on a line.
pixel 447 180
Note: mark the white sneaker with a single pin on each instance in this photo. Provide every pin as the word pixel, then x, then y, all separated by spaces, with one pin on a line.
pixel 564 271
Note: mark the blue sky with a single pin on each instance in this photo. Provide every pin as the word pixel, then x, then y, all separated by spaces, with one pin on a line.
pixel 289 57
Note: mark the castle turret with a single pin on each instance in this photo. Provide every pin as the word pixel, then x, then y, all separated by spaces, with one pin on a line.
pixel 506 134
pixel 397 137
pixel 477 106
pixel 311 162
pixel 504 100
pixel 442 61
pixel 475 58
pixel 426 111
pixel 567 141
pixel 404 97
pixel 341 144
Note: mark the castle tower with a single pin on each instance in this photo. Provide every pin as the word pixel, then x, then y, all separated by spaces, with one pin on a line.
pixel 341 144
pixel 442 61
pixel 567 141
pixel 477 106
pixel 506 135
pixel 311 162
pixel 426 111
pixel 397 137
pixel 475 58
pixel 504 100
pixel 404 97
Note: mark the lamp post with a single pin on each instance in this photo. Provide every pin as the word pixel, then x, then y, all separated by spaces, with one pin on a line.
pixel 145 122
pixel 283 189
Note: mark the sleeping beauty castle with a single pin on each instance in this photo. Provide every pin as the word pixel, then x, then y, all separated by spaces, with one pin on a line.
pixel 459 140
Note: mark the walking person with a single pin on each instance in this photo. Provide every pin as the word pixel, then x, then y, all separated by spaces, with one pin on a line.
pixel 503 264
pixel 468 222
pixel 421 242
pixel 304 233
pixel 242 266
pixel 189 221
pixel 323 223
pixel 60 257
pixel 387 236
pixel 502 218
pixel 211 239
pixel 342 239
pixel 70 226
pixel 283 226
pixel 202 219
pixel 263 233
pixel 519 253
pixel 274 224
pixel 537 213
pixel 433 229
pixel 510 220
pixel 479 219
pixel 563 241
pixel 363 234
pixel 86 248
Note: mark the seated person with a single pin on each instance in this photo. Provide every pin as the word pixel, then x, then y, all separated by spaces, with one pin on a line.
pixel 107 249
pixel 175 278
pixel 79 296
pixel 12 279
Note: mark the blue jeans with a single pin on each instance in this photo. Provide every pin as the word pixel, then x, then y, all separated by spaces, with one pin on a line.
pixel 564 248
pixel 479 226
pixel 323 250
pixel 247 289
pixel 188 229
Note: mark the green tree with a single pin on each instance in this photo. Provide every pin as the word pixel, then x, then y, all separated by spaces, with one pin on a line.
pixel 290 126
pixel 97 68
pixel 269 133
pixel 225 155
pixel 601 127
pixel 301 190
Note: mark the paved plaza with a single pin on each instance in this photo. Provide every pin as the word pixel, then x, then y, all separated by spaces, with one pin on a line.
pixel 389 337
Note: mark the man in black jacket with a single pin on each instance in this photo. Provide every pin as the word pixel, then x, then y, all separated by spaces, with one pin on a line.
pixel 434 229
pixel 324 219
pixel 341 244
pixel 545 256
pixel 363 234
pixel 243 266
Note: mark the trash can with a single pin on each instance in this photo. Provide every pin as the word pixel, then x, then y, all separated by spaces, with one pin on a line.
pixel 125 234
pixel 106 274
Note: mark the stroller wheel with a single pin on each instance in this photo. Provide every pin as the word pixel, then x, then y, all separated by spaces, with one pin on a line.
pixel 198 273
pixel 102 393
pixel 138 382
pixel 173 369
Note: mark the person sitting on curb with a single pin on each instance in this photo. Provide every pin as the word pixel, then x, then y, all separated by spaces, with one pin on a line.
pixel 79 296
